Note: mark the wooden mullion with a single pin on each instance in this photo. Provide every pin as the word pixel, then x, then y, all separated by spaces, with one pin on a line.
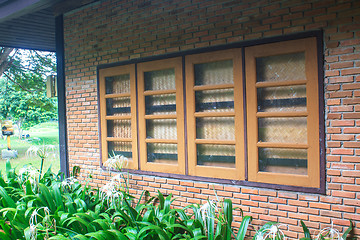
pixel 116 139
pixel 154 140
pixel 161 116
pixel 282 145
pixel 215 142
pixel 280 83
pixel 159 92
pixel 122 117
pixel 214 114
pixel 117 95
pixel 213 87
pixel 282 114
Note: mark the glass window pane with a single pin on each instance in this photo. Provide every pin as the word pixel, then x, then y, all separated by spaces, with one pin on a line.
pixel 120 148
pixel 283 130
pixel 282 99
pixel 220 128
pixel 281 67
pixel 216 155
pixel 283 160
pixel 212 73
pixel 160 79
pixel 118 106
pixel 117 84
pixel 162 153
pixel 219 100
pixel 160 104
pixel 119 128
pixel 161 128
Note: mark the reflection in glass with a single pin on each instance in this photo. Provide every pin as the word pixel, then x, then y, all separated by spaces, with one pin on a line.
pixel 160 79
pixel 281 99
pixel 284 67
pixel 117 84
pixel 216 155
pixel 161 128
pixel 219 100
pixel 118 106
pixel 283 130
pixel 120 148
pixel 119 128
pixel 283 160
pixel 160 104
pixel 220 128
pixel 162 153
pixel 219 72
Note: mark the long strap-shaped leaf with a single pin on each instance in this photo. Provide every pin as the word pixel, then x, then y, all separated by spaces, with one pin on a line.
pixel 243 227
pixel 7 200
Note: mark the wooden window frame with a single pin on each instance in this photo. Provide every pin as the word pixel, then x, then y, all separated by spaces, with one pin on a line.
pixel 238 172
pixel 312 179
pixel 110 72
pixel 246 172
pixel 175 63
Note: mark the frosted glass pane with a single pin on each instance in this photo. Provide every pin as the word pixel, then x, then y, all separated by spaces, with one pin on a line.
pixel 283 160
pixel 161 128
pixel 283 130
pixel 282 99
pixel 160 79
pixel 220 100
pixel 216 155
pixel 160 104
pixel 118 84
pixel 120 148
pixel 119 128
pixel 212 73
pixel 162 153
pixel 118 106
pixel 219 128
pixel 281 67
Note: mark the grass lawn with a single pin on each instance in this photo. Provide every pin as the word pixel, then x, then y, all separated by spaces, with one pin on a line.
pixel 45 133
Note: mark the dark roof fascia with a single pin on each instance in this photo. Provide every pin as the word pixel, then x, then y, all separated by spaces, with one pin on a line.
pixel 13 9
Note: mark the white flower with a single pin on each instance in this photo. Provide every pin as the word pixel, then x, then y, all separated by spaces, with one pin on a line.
pixel 329 232
pixel 69 182
pixel 33 221
pixel 110 191
pixel 117 162
pixel 42 151
pixel 206 209
pixel 272 233
pixel 29 173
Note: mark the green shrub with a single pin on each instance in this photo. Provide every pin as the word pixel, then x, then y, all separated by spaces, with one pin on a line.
pixel 36 206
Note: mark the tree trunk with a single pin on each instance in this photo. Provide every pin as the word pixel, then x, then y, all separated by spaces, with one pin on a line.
pixel 4 59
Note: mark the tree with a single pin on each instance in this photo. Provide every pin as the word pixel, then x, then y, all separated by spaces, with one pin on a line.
pixel 23 88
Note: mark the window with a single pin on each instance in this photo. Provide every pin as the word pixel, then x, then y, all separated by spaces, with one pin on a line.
pixel 283 113
pixel 191 115
pixel 161 116
pixel 117 99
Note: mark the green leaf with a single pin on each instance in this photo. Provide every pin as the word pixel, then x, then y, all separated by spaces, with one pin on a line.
pixel 347 231
pixel 228 214
pixel 46 197
pixel 306 231
pixel 160 232
pixel 7 200
pixel 243 227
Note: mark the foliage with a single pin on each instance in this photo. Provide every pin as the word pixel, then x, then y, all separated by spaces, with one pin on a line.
pixel 44 207
pixel 23 89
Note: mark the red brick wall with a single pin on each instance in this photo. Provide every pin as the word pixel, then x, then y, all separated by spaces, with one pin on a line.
pixel 113 31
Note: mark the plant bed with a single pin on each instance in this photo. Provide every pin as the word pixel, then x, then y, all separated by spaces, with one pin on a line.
pixel 41 206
